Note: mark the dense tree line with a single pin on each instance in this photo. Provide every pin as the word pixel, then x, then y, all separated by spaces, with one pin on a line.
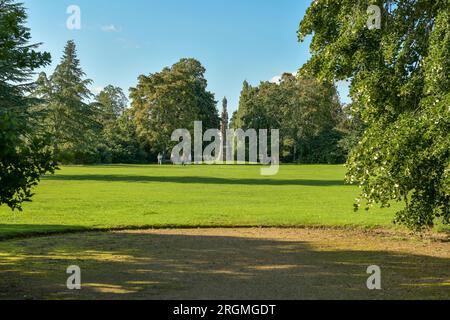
pixel 313 125
pixel 86 129
pixel 69 117
pixel 119 141
pixel 104 129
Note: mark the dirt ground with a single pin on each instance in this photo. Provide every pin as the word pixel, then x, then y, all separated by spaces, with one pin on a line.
pixel 227 264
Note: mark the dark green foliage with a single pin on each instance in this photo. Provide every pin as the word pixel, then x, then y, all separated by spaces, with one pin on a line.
pixel 118 141
pixel 24 155
pixel 120 144
pixel 72 121
pixel 351 128
pixel 323 148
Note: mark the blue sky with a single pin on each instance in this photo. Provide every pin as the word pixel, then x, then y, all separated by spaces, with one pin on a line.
pixel 236 40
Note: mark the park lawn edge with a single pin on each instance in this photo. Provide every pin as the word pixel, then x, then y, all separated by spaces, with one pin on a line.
pixel 395 231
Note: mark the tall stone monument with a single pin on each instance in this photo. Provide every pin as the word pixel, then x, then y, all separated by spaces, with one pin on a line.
pixel 224 128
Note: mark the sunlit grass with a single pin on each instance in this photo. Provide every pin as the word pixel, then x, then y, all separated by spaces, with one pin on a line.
pixel 104 197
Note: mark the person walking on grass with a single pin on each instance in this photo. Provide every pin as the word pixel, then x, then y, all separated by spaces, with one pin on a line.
pixel 160 159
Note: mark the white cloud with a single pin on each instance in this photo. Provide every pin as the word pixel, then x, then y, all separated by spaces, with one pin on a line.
pixel 110 28
pixel 277 79
pixel 97 90
pixel 128 44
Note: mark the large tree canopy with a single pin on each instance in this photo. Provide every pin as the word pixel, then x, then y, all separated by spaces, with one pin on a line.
pixel 24 155
pixel 172 99
pixel 400 86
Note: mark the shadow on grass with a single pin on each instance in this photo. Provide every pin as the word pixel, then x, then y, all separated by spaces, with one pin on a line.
pixel 196 180
pixel 12 231
pixel 158 266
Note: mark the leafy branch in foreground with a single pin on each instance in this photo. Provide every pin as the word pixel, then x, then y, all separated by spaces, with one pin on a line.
pixel 400 87
pixel 24 152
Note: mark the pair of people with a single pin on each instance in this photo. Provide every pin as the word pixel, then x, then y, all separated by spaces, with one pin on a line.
pixel 185 159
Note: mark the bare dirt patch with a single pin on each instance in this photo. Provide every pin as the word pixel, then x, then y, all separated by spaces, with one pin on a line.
pixel 227 264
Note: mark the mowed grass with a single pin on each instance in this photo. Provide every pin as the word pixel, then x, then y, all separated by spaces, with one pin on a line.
pixel 111 197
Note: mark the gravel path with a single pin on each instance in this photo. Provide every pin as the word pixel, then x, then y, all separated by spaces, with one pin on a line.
pixel 226 264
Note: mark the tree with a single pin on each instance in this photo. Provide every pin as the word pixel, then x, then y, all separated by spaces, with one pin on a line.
pixel 400 88
pixel 71 119
pixel 118 141
pixel 306 112
pixel 122 142
pixel 112 103
pixel 24 155
pixel 352 129
pixel 172 99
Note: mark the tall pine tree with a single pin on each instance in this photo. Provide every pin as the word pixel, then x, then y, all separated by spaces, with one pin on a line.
pixel 72 120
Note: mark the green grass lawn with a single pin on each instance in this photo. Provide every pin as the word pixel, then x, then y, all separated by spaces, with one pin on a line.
pixel 104 197
pixel 225 263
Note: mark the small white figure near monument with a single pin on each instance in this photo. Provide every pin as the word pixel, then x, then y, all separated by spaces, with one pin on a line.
pixel 186 159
